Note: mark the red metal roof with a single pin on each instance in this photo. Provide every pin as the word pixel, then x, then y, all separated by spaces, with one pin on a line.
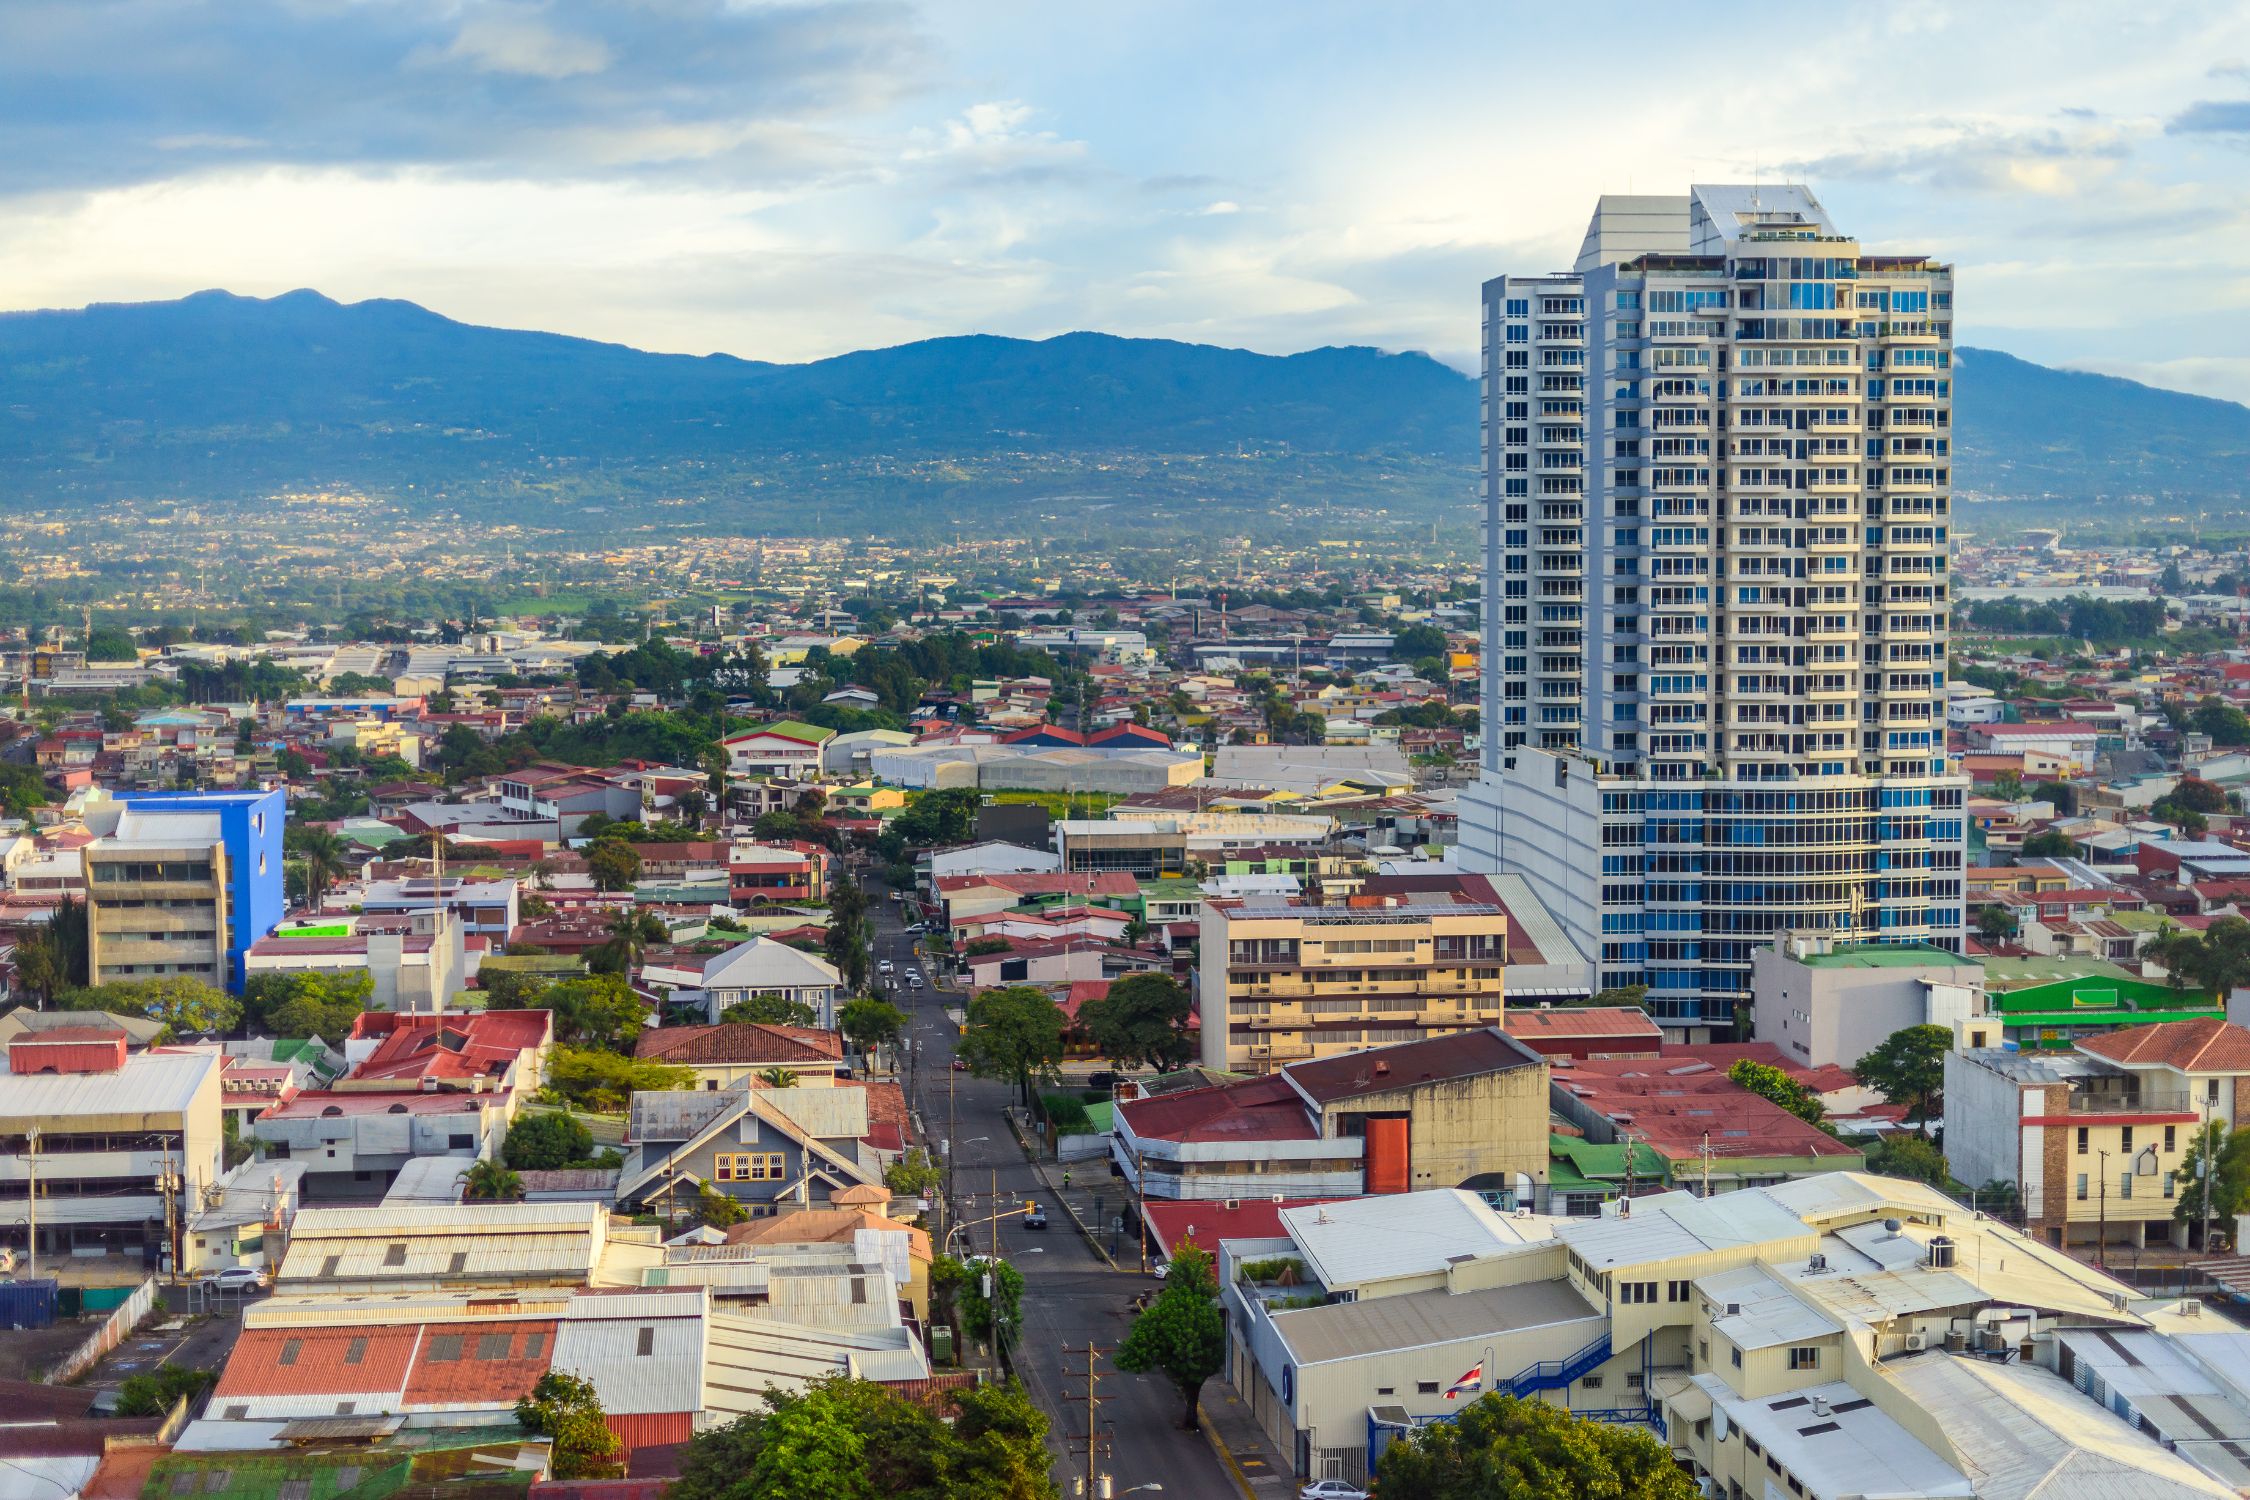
pixel 1261 1109
pixel 454 1046
pixel 1205 1222
pixel 317 1361
pixel 1596 1021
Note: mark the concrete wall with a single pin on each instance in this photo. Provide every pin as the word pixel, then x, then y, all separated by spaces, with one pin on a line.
pixel 1463 1128
pixel 1982 1135
pixel 1819 1015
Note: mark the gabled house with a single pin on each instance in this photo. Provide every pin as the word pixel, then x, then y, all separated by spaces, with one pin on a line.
pixel 764 1147
pixel 760 966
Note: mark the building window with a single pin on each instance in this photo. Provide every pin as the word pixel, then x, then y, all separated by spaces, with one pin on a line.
pixel 1677 1291
pixel 647 1344
pixel 2082 1187
pixel 1425 1387
pixel 2081 1140
pixel 749 1166
pixel 1592 1382
pixel 1737 1356
pixel 2125 1138
pixel 1805 1357
pixel 2169 1138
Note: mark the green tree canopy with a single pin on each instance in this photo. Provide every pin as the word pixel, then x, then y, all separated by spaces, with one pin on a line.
pixel 605 1082
pixel 1141 1022
pixel 771 1010
pixel 2217 960
pixel 322 1003
pixel 844 1439
pixel 108 643
pixel 155 1392
pixel 597 1010
pixel 613 863
pixel 1769 1082
pixel 2230 1178
pixel 546 1141
pixel 1909 1155
pixel 1500 1448
pixel 869 1023
pixel 1909 1069
pixel 564 1409
pixel 187 1007
pixel 490 1181
pixel 1183 1332
pixel 1014 1034
pixel 2048 844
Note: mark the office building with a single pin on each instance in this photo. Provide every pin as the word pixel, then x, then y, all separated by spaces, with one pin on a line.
pixel 181 883
pixel 1717 484
pixel 1283 981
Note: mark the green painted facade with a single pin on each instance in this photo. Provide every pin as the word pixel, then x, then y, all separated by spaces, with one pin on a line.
pixel 2058 1012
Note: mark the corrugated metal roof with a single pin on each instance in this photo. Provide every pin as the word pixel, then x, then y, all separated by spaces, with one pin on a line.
pixel 643 1352
pixel 151 1084
pixel 1667 1226
pixel 1404 1234
pixel 1350 1330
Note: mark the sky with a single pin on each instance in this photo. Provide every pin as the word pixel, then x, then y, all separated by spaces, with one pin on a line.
pixel 787 181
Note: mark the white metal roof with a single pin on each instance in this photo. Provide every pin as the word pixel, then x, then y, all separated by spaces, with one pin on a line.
pixel 747 1355
pixel 1844 1445
pixel 1403 1234
pixel 1757 1310
pixel 1379 1325
pixel 762 962
pixel 2024 1432
pixel 599 1340
pixel 150 1084
pixel 1667 1226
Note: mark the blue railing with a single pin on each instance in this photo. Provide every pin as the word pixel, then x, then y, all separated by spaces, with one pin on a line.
pixel 1554 1374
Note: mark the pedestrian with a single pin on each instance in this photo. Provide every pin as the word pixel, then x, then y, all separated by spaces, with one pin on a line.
pixel 1066 1182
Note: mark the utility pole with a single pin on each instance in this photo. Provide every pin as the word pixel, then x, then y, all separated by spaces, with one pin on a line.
pixel 2203 1163
pixel 996 1214
pixel 31 1197
pixel 1706 1163
pixel 2101 1221
pixel 1093 1426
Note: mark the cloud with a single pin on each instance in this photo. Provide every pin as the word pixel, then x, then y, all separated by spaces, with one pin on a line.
pixel 513 39
pixel 1983 157
pixel 2212 117
pixel 493 87
pixel 1221 207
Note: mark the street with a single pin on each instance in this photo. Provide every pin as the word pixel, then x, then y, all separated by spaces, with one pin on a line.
pixel 1070 1295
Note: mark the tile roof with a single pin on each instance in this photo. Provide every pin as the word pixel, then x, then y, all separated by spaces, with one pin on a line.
pixel 414 1047
pixel 2205 1045
pixel 739 1042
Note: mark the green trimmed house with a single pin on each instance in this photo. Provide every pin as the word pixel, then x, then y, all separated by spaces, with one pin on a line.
pixel 785 748
pixel 2049 1003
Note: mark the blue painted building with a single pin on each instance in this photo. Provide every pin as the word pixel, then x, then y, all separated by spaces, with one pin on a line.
pixel 247 826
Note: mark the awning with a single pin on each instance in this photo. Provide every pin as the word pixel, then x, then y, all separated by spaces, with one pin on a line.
pixel 1682 1399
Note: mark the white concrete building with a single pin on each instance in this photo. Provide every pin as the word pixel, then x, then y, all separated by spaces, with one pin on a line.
pixel 1718 498
pixel 1824 1002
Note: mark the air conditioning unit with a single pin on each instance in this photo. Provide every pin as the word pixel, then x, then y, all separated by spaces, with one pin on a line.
pixel 1916 1342
pixel 1281 1197
pixel 1234 1203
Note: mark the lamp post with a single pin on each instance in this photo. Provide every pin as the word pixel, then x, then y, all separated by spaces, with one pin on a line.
pixel 2101 1213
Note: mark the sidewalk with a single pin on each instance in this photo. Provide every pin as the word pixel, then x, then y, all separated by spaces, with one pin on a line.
pixel 1078 1203
pixel 1241 1444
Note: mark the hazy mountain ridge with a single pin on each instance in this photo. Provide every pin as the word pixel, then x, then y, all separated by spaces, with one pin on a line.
pixel 216 396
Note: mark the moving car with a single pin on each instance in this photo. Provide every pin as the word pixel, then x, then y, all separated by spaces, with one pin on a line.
pixel 885 967
pixel 960 1066
pixel 1331 1489
pixel 1036 1219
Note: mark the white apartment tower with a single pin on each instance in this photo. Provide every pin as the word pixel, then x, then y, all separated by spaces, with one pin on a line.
pixel 1717 496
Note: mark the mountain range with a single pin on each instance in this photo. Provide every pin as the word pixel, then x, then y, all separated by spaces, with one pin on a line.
pixel 218 397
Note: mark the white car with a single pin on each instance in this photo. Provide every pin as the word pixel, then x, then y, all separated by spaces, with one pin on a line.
pixel 235 1279
pixel 1331 1489
pixel 885 967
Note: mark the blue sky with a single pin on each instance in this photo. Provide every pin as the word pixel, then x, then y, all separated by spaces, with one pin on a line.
pixel 786 181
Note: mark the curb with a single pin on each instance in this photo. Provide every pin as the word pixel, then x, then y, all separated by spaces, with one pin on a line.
pixel 1219 1447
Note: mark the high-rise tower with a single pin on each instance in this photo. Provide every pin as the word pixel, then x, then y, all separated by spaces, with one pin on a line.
pixel 1717 499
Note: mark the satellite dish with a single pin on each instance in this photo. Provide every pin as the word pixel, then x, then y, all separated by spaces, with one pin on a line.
pixel 1718 1422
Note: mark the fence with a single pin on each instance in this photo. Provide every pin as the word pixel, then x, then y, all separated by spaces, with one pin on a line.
pixel 107 1337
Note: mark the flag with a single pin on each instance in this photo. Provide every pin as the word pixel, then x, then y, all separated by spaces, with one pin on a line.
pixel 1472 1382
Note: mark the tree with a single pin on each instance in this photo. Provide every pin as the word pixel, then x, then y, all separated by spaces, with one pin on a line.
pixel 2230 1177
pixel 546 1141
pixel 1769 1082
pixel 778 1078
pixel 630 933
pixel 187 1007
pixel 2217 960
pixel 981 947
pixel 490 1181
pixel 1417 641
pixel 1500 1448
pixel 565 1410
pixel 1910 1156
pixel 1909 1069
pixel 846 938
pixel 1623 997
pixel 2061 794
pixel 1995 922
pixel 770 1010
pixel 322 855
pixel 307 1003
pixel 914 1175
pixel 868 1023
pixel 2186 819
pixel 2197 795
pixel 604 1082
pixel 1013 1034
pixel 613 863
pixel 2221 720
pixel 718 1210
pixel 846 1439
pixel 155 1392
pixel 596 1010
pixel 2007 786
pixel 2048 844
pixel 108 643
pixel 1140 1022
pixel 1182 1333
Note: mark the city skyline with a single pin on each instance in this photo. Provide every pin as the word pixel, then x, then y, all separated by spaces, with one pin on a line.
pixel 786 183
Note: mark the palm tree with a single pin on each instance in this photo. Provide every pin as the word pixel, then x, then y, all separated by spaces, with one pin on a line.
pixel 322 855
pixel 491 1181
pixel 779 1078
pixel 630 932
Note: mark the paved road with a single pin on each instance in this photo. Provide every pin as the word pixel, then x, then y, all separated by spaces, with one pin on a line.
pixel 1070 1295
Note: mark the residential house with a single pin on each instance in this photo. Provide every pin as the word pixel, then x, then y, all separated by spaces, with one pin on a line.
pixel 758 966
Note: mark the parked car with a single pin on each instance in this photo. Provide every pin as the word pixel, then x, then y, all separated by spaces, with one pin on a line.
pixel 1331 1489
pixel 960 1066
pixel 885 967
pixel 235 1279
pixel 1102 1080
pixel 1036 1219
